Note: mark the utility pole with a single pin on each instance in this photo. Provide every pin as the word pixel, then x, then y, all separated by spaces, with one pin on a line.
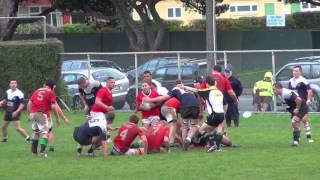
pixel 211 33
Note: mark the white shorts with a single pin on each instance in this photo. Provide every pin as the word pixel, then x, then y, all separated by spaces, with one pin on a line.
pixel 39 122
pixel 149 120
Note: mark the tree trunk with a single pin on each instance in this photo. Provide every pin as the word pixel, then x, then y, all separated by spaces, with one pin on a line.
pixel 8 8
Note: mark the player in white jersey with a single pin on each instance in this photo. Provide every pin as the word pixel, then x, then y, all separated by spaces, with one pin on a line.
pixel 14 106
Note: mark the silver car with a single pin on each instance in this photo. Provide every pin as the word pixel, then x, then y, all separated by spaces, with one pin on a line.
pixel 101 74
pixel 310 70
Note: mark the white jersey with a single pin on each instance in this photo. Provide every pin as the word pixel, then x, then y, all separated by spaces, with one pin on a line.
pixel 216 101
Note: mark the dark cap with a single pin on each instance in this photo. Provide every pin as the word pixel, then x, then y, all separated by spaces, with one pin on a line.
pixel 228 70
pixel 178 82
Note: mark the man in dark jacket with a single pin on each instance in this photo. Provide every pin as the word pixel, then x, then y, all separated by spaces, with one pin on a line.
pixel 233 111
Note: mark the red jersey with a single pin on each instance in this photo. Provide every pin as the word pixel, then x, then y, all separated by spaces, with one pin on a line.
pixel 152 112
pixel 126 135
pixel 41 100
pixel 173 102
pixel 222 83
pixel 155 137
pixel 106 97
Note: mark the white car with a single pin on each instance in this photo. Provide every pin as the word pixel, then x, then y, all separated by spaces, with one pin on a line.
pixel 100 74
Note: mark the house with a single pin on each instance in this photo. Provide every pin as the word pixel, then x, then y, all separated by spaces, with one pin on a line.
pixel 174 9
pixel 35 7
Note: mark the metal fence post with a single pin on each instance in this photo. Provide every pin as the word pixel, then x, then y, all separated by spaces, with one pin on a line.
pixel 274 73
pixel 225 59
pixel 136 72
pixel 179 66
pixel 44 28
pixel 89 65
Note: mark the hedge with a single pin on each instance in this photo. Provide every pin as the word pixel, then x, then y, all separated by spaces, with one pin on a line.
pixel 30 63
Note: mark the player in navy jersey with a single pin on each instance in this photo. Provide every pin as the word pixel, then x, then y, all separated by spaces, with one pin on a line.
pixel 300 85
pixel 88 90
pixel 297 107
pixel 14 106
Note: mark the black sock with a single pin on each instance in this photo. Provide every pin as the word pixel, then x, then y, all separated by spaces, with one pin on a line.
pixel 296 135
pixel 218 138
pixel 34 146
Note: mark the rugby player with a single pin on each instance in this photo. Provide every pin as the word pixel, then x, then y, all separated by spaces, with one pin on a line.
pixel 157 136
pixel 126 135
pixel 39 106
pixel 88 90
pixel 302 87
pixel 297 107
pixel 14 106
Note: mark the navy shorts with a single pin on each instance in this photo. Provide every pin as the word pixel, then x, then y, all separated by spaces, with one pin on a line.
pixel 82 140
pixel 8 117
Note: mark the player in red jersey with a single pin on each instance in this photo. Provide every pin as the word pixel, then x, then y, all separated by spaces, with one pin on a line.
pixel 39 112
pixel 126 135
pixel 157 136
pixel 149 111
pixel 169 110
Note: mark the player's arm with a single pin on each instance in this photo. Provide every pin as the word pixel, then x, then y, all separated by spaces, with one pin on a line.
pixel 99 103
pixel 61 114
pixel 195 90
pixel 144 143
pixel 55 107
pixel 298 102
pixel 29 106
pixel 156 99
pixel 309 96
pixel 2 102
pixel 19 110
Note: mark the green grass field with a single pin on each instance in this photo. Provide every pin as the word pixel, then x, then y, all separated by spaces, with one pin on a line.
pixel 264 154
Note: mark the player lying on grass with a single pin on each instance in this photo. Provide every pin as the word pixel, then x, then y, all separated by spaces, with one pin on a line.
pixel 297 107
pixel 126 135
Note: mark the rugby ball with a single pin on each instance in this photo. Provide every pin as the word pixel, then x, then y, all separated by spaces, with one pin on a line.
pixel 146 106
pixel 247 114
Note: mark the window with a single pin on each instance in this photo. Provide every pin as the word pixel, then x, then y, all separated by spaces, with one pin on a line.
pixel 174 13
pixel 186 73
pixel 34 10
pixel 102 75
pixel 152 65
pixel 70 78
pixel 159 74
pixel 66 66
pixel 307 6
pixel 285 74
pixel 75 66
pixel 172 73
pixel 315 71
pixel 243 8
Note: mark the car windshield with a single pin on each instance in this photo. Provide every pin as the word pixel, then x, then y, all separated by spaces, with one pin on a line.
pixel 104 74
pixel 98 64
pixel 66 65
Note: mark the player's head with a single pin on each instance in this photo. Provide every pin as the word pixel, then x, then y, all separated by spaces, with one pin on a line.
pixel 267 76
pixel 13 84
pixel 277 88
pixel 296 71
pixel 146 86
pixel 110 117
pixel 147 75
pixel 83 82
pixel 179 84
pixel 197 82
pixel 217 68
pixel 50 84
pixel 134 119
pixel 210 81
pixel 110 82
pixel 228 72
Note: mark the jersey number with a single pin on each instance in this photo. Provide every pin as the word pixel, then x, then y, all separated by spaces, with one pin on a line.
pixel 155 130
pixel 40 96
pixel 123 134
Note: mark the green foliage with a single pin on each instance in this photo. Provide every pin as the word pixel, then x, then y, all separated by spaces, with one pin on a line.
pixel 29 62
pixel 78 28
pixel 264 153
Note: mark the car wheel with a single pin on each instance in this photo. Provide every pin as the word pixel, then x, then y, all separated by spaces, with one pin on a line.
pixel 131 98
pixel 119 105
pixel 77 103
pixel 315 106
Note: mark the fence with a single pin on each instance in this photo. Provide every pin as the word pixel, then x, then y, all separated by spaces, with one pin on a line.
pixel 248 65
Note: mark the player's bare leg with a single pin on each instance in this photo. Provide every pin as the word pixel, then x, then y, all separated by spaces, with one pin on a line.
pixel 172 132
pixel 296 130
pixel 5 125
pixel 192 131
pixel 95 144
pixel 21 131
pixel 307 128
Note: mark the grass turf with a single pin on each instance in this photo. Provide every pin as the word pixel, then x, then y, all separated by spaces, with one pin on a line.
pixel 264 154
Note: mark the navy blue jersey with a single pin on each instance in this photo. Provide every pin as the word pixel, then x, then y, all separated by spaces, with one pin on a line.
pixel 90 92
pixel 85 131
pixel 14 99
pixel 186 99
pixel 300 85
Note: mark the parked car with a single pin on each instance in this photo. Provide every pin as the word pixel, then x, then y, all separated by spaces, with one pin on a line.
pixel 151 66
pixel 118 93
pixel 168 74
pixel 310 70
pixel 82 64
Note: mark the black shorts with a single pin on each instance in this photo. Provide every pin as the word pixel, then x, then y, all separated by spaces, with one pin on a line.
pixel 82 140
pixel 303 111
pixel 190 112
pixel 8 117
pixel 215 119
